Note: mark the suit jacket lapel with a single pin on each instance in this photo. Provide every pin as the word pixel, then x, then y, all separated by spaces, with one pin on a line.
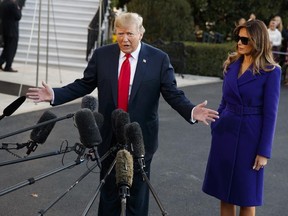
pixel 114 55
pixel 143 60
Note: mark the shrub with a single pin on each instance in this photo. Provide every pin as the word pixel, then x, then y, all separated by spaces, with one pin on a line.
pixel 206 59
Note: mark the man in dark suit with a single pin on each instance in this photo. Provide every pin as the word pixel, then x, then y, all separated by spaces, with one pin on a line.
pixel 21 3
pixel 10 14
pixel 151 75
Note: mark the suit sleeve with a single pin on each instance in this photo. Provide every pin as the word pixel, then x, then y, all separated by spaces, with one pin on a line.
pixel 80 87
pixel 174 96
pixel 16 11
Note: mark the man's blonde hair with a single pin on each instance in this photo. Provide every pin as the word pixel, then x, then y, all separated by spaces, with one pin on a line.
pixel 128 18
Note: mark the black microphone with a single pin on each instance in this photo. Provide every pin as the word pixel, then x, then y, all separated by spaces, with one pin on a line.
pixel 89 102
pixel 134 136
pixel 121 120
pixel 124 176
pixel 133 133
pixel 114 116
pixel 13 107
pixel 40 134
pixel 99 118
pixel 89 132
pixel 87 127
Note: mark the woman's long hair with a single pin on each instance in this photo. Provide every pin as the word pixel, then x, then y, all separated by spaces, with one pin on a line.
pixel 261 52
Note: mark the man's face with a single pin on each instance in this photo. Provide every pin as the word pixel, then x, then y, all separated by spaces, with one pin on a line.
pixel 128 38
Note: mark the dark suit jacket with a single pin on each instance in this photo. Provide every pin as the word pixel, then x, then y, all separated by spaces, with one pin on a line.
pixel 10 15
pixel 154 75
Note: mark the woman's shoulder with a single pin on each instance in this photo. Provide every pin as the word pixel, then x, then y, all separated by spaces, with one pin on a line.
pixel 277 71
pixel 274 68
pixel 273 71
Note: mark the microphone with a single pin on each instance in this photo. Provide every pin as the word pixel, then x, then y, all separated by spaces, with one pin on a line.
pixel 114 117
pixel 124 168
pixel 121 120
pixel 13 107
pixel 89 132
pixel 99 118
pixel 39 134
pixel 124 176
pixel 87 127
pixel 134 136
pixel 89 102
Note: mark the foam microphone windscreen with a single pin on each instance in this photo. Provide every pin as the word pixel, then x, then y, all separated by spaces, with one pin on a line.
pixel 99 118
pixel 89 102
pixel 87 127
pixel 133 134
pixel 114 117
pixel 40 134
pixel 124 168
pixel 121 120
pixel 14 106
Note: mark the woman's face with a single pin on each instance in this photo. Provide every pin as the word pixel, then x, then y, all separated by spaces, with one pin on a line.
pixel 244 44
pixel 272 25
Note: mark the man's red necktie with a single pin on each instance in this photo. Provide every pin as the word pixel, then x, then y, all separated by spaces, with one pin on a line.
pixel 123 84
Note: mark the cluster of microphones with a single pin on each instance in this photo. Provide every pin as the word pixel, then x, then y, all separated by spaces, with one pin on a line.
pixel 129 147
pixel 128 135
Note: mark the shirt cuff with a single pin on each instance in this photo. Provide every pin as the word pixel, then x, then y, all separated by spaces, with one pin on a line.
pixel 192 119
pixel 53 98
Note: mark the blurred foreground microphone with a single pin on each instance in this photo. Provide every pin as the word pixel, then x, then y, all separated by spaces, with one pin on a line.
pixel 134 136
pixel 89 132
pixel 13 107
pixel 89 102
pixel 40 134
pixel 121 120
pixel 124 176
pixel 114 117
pixel 99 118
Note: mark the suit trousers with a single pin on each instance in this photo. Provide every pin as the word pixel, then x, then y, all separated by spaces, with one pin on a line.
pixel 137 203
pixel 9 51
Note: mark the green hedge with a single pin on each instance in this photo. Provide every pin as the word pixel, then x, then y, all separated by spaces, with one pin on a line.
pixel 206 59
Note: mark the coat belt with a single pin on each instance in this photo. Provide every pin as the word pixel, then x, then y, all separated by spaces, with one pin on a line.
pixel 244 110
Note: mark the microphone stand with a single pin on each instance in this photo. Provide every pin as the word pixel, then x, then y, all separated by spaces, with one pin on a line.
pixel 101 184
pixel 48 154
pixel 39 177
pixel 124 193
pixel 38 125
pixel 32 180
pixel 142 165
pixel 43 211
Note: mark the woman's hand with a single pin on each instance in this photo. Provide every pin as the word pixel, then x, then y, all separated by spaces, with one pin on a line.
pixel 260 162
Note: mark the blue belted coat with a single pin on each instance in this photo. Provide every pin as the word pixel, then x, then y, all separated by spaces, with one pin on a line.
pixel 246 127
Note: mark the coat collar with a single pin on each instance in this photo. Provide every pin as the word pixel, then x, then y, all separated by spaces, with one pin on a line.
pixel 232 76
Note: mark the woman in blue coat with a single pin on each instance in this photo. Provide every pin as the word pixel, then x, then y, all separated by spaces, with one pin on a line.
pixel 243 135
